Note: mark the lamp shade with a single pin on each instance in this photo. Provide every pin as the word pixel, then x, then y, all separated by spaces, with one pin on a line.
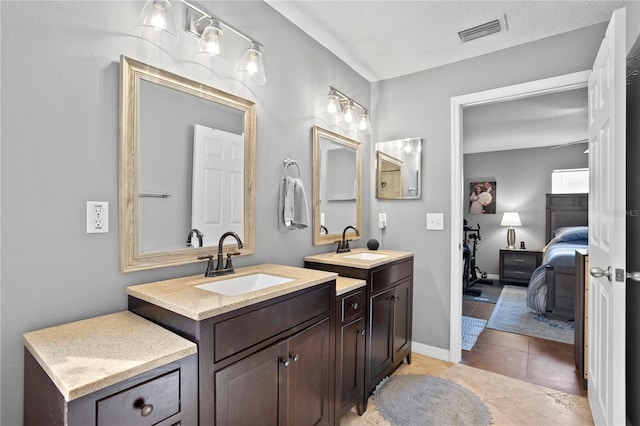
pixel 510 219
pixel 156 23
pixel 333 110
pixel 349 119
pixel 364 124
pixel 212 51
pixel 251 67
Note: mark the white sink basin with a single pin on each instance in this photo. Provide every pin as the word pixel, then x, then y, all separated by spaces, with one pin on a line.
pixel 236 286
pixel 366 256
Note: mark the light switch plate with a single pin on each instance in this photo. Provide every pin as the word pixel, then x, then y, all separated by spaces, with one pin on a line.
pixel 435 221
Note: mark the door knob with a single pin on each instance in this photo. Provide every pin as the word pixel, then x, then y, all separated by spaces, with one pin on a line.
pixel 634 276
pixel 597 272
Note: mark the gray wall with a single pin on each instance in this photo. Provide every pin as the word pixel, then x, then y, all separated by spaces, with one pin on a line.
pixel 419 105
pixel 60 148
pixel 523 177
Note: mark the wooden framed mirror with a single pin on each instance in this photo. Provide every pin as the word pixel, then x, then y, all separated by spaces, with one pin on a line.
pixel 187 161
pixel 336 186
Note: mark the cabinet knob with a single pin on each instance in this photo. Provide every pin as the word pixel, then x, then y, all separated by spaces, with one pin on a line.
pixel 361 332
pixel 355 305
pixel 295 358
pixel 285 363
pixel 146 410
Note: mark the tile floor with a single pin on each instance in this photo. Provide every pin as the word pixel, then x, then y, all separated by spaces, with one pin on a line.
pixel 534 360
pixel 511 401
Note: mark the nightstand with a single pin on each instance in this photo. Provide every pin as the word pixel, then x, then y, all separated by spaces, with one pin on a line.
pixel 516 265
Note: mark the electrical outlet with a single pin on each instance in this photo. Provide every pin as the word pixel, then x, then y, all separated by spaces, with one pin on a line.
pixel 435 221
pixel 97 217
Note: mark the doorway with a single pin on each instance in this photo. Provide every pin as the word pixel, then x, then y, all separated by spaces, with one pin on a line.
pixel 520 91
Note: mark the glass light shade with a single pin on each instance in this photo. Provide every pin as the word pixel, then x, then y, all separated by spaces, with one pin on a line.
pixel 333 110
pixel 212 51
pixel 364 124
pixel 349 117
pixel 250 70
pixel 510 219
pixel 156 23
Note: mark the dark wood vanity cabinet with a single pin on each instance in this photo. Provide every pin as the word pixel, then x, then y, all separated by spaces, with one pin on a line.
pixel 284 381
pixel 268 363
pixel 390 331
pixel 388 294
pixel 350 333
pixel 165 395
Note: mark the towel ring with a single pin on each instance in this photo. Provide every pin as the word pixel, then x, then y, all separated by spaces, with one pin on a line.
pixel 288 162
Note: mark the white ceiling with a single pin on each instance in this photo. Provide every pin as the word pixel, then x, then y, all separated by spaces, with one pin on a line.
pixel 386 39
pixel 554 119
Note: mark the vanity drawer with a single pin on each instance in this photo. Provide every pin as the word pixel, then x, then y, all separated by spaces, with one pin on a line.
pixel 391 274
pixel 159 396
pixel 352 306
pixel 245 330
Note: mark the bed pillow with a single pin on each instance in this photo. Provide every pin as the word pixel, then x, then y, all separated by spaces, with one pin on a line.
pixel 571 233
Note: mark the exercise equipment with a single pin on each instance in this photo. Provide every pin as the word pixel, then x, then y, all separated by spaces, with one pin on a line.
pixel 470 270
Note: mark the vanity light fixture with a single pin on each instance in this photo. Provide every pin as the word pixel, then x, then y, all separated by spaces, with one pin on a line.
pixel 341 109
pixel 156 25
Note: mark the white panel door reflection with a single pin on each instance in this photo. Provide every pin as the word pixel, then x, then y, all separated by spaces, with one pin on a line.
pixel 218 183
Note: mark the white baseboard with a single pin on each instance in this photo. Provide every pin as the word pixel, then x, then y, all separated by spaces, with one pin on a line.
pixel 430 351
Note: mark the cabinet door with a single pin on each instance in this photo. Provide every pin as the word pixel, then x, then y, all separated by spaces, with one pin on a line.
pixel 401 320
pixel 350 362
pixel 380 353
pixel 248 392
pixel 308 371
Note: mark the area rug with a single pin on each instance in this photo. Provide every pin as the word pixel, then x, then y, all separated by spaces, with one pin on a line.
pixel 471 329
pixel 427 400
pixel 490 292
pixel 512 314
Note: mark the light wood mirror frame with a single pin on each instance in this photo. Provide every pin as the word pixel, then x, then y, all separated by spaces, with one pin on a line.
pixel 320 135
pixel 132 72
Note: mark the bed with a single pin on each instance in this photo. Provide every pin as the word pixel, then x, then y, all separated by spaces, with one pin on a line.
pixel 551 289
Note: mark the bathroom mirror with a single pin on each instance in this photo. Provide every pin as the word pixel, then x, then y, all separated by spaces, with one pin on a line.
pixel 336 186
pixel 398 169
pixel 187 160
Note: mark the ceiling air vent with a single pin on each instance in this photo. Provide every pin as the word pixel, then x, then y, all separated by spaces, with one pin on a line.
pixel 483 30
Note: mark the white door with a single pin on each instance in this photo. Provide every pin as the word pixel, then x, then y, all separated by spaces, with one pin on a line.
pixel 607 154
pixel 218 162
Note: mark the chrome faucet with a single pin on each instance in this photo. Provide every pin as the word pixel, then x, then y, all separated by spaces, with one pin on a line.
pixel 198 234
pixel 343 244
pixel 213 270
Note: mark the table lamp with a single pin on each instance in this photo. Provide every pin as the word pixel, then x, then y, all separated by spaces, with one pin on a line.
pixel 511 219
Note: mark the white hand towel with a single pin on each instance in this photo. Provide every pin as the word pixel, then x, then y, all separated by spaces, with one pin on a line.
pixel 293 210
pixel 300 206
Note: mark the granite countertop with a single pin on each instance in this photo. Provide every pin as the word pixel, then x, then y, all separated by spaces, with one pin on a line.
pixel 345 285
pixel 85 356
pixel 182 297
pixel 346 259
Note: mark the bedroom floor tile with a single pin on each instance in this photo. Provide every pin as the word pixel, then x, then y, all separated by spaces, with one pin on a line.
pixel 554 370
pixel 543 346
pixel 511 401
pixel 498 359
pixel 539 361
pixel 514 341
